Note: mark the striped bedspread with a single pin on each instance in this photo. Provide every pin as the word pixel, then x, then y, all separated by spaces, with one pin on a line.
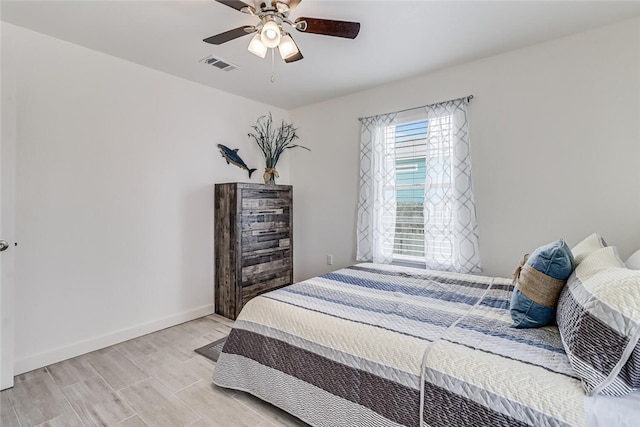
pixel 370 345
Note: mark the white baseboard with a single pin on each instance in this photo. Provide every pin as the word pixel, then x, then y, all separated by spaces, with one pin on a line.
pixel 86 346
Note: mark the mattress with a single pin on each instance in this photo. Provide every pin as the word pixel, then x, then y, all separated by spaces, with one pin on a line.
pixel 381 345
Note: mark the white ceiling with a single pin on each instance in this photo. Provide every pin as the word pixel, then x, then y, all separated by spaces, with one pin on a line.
pixel 398 39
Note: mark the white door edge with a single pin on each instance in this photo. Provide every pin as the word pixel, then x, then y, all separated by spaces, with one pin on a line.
pixel 8 118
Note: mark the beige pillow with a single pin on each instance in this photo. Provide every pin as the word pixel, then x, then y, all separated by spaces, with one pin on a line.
pixel 589 245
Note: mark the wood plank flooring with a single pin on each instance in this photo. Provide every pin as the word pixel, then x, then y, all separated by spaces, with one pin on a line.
pixel 154 380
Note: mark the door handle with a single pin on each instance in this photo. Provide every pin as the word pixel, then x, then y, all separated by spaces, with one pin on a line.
pixel 4 245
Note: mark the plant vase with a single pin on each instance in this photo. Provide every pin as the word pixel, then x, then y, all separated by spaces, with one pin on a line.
pixel 270 175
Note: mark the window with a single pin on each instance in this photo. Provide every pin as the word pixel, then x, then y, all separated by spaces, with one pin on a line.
pixel 416 201
pixel 410 154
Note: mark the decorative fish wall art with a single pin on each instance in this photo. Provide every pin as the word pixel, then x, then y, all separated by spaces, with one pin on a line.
pixel 231 156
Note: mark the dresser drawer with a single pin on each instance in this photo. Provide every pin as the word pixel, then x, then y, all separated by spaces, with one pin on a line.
pixel 267 216
pixel 264 256
pixel 260 204
pixel 260 288
pixel 255 273
pixel 258 240
pixel 267 244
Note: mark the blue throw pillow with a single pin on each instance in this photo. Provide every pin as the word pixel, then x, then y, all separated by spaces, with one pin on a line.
pixel 539 282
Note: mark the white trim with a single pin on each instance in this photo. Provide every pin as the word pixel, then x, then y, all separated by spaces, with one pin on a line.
pixel 81 347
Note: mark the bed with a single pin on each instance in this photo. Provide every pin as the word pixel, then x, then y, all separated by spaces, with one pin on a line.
pixel 383 345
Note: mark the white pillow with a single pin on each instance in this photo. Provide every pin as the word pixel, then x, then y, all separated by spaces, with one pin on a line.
pixel 634 261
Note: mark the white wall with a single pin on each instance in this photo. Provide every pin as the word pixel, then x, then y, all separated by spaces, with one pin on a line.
pixel 555 135
pixel 114 215
pixel 116 165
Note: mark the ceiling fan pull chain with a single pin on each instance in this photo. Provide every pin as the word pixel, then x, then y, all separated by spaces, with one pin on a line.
pixel 273 66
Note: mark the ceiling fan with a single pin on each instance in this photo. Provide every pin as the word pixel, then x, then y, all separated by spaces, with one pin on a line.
pixel 273 14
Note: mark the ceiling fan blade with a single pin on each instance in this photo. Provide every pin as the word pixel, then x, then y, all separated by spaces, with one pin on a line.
pixel 236 4
pixel 297 57
pixel 230 35
pixel 328 27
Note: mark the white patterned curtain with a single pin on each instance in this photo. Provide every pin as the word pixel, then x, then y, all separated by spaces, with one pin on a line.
pixel 450 230
pixel 377 202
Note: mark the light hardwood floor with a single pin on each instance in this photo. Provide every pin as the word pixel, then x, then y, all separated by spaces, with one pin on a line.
pixel 154 380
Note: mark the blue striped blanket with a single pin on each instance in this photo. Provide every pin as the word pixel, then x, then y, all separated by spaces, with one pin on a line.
pixel 380 345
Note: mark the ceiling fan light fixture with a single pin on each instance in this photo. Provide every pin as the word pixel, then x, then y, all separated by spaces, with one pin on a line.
pixel 257 47
pixel 270 34
pixel 287 47
pixel 282 7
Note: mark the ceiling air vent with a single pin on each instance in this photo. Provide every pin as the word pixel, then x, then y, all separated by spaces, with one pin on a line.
pixel 218 63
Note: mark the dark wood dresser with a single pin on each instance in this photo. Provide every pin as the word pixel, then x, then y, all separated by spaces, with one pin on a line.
pixel 252 242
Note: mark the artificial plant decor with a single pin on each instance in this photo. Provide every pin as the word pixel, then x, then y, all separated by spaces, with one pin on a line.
pixel 273 140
